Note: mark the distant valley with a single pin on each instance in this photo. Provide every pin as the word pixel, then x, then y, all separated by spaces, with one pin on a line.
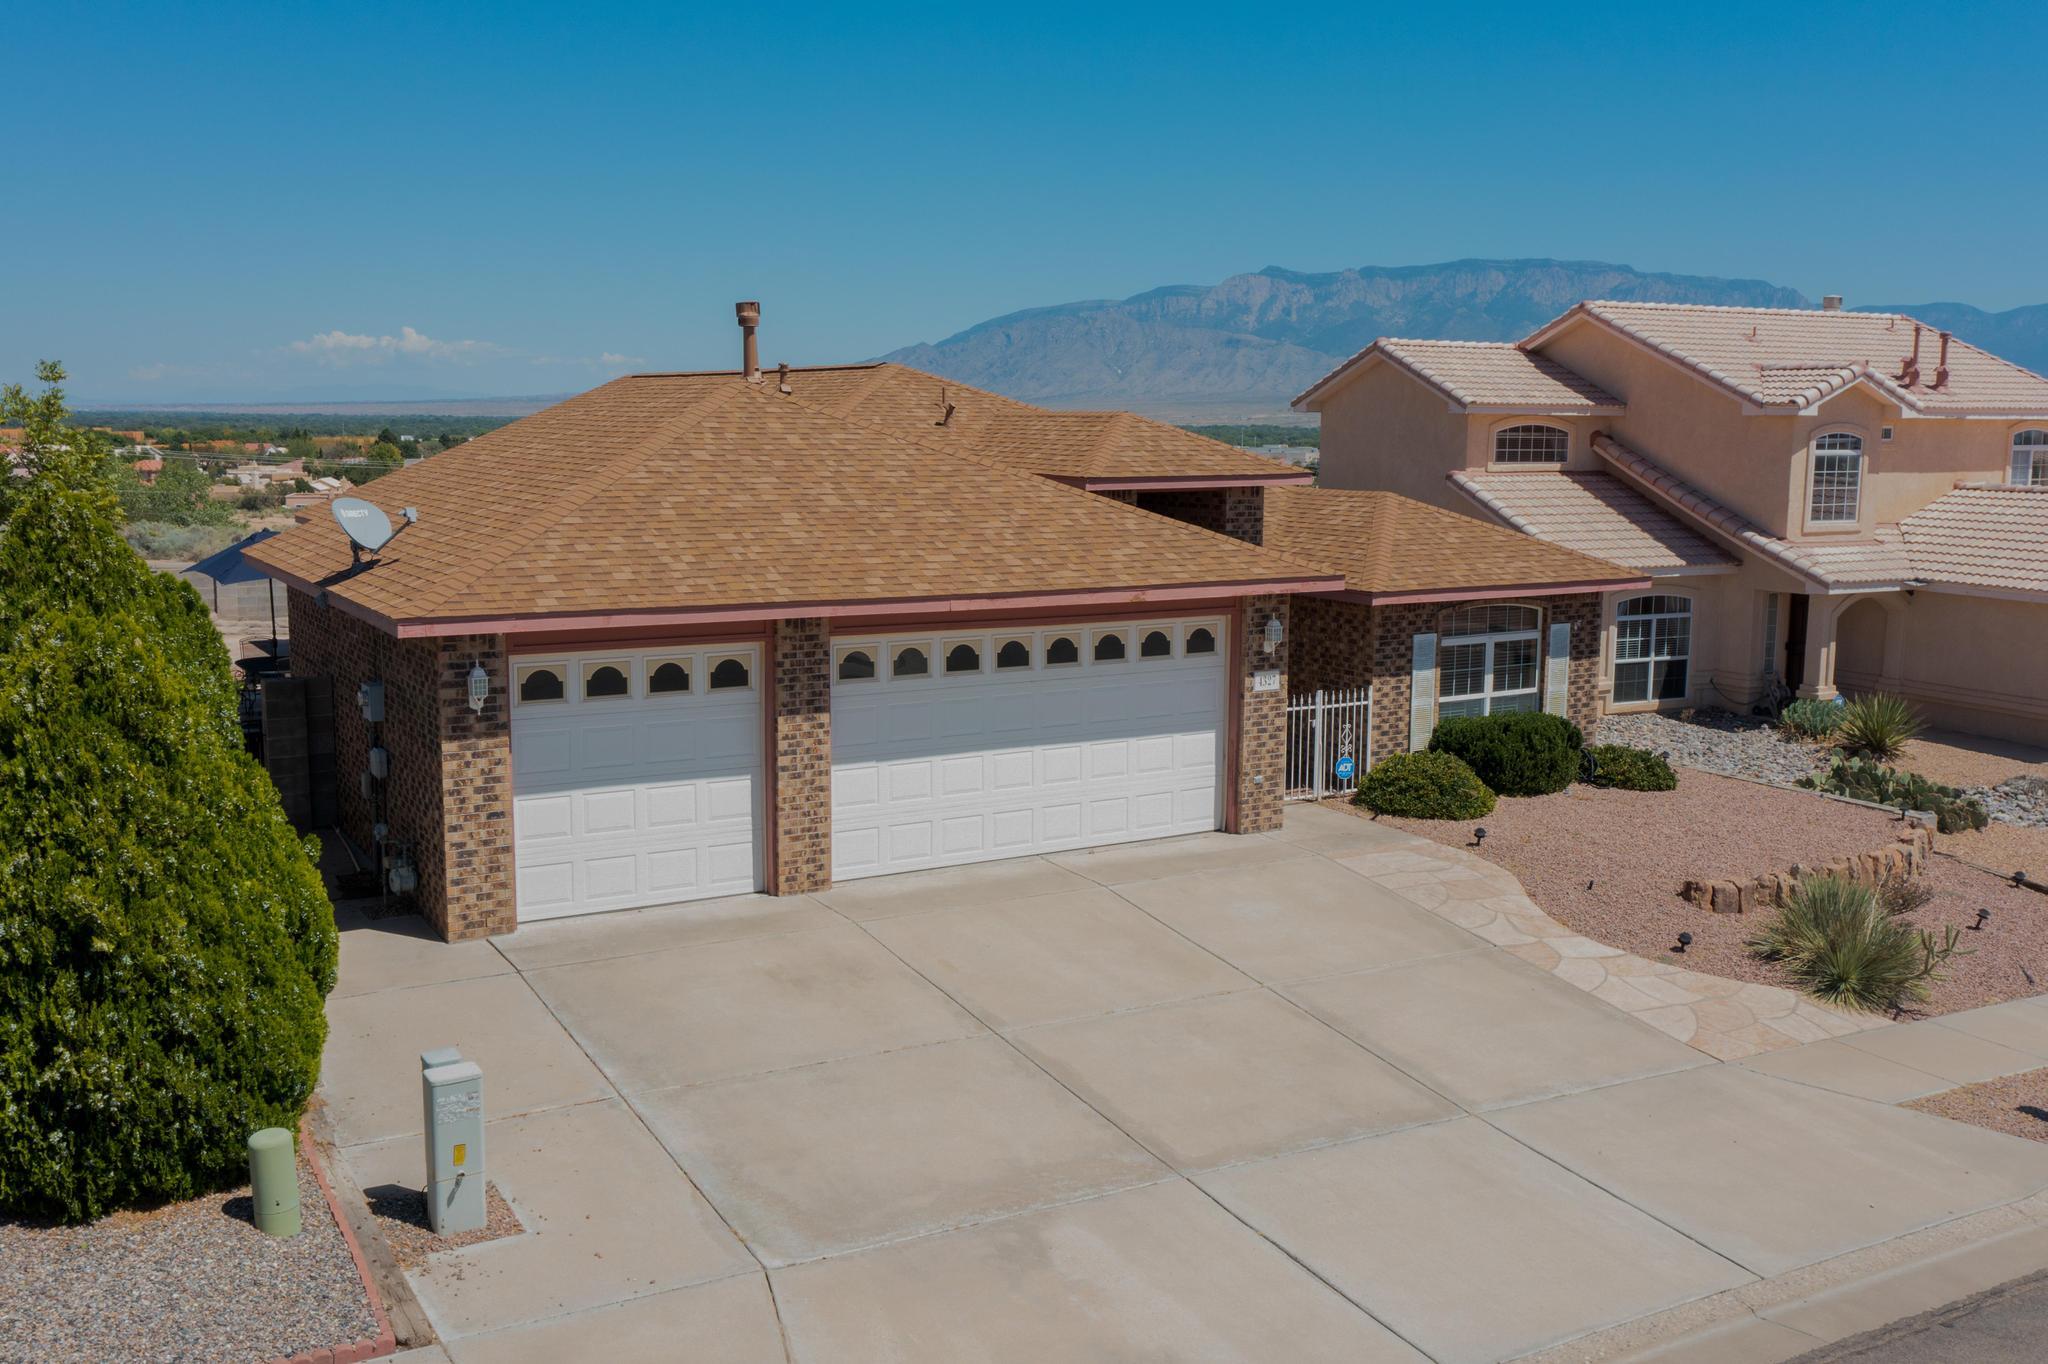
pixel 1238 350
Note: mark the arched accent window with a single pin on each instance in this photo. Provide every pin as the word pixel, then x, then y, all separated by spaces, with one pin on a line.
pixel 728 673
pixel 1531 443
pixel 1015 653
pixel 1489 660
pixel 604 681
pixel 1060 650
pixel 1201 640
pixel 2030 458
pixel 668 678
pixel 857 665
pixel 1156 644
pixel 1837 491
pixel 910 661
pixel 1110 647
pixel 963 658
pixel 1652 648
pixel 540 684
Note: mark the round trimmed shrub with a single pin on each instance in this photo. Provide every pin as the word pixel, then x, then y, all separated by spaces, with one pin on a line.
pixel 165 941
pixel 1424 785
pixel 1517 753
pixel 1630 769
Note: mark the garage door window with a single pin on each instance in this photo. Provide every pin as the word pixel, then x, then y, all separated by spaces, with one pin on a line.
pixel 1201 640
pixel 540 682
pixel 730 674
pixel 669 678
pixel 1014 653
pixel 1156 644
pixel 910 661
pixel 963 658
pixel 606 681
pixel 1061 650
pixel 1110 647
pixel 856 665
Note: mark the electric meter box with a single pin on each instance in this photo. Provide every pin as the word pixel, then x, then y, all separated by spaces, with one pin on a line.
pixel 453 1093
pixel 370 696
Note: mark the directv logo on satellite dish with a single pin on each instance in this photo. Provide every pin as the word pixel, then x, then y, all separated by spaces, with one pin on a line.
pixel 366 525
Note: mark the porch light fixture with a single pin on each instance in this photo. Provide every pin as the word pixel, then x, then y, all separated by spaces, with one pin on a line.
pixel 1684 941
pixel 479 687
pixel 1275 632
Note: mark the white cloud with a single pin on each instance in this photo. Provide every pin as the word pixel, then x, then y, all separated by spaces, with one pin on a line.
pixel 338 347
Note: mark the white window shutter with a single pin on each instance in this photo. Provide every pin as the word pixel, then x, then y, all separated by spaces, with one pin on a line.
pixel 1557 672
pixel 1422 693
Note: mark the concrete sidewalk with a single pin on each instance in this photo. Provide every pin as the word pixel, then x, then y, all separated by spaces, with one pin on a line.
pixel 1219 1097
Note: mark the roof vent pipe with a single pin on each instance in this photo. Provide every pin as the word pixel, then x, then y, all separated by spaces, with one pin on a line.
pixel 1941 365
pixel 749 315
pixel 1909 372
pixel 1831 303
pixel 782 376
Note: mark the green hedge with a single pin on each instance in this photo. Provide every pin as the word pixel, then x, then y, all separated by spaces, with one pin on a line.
pixel 1630 769
pixel 165 941
pixel 1518 753
pixel 1424 786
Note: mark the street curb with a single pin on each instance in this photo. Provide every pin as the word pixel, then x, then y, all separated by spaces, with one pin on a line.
pixel 348 1352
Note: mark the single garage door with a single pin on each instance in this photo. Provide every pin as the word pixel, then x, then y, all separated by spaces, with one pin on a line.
pixel 636 777
pixel 968 747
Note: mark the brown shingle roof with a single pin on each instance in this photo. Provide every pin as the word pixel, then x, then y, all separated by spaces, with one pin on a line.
pixel 1387 545
pixel 1481 376
pixel 700 492
pixel 1794 357
pixel 1596 514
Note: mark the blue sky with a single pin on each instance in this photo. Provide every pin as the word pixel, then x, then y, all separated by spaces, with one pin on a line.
pixel 254 202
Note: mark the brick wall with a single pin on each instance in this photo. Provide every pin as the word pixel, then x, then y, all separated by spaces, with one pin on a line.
pixel 802 726
pixel 1262 735
pixel 448 797
pixel 1344 644
pixel 1237 512
pixel 1244 514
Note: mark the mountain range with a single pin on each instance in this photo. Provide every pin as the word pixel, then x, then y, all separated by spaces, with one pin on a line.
pixel 1238 350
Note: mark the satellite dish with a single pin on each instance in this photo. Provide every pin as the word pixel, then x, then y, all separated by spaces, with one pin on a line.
pixel 366 525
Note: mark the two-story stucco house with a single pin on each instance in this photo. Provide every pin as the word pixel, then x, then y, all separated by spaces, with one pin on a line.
pixel 1823 500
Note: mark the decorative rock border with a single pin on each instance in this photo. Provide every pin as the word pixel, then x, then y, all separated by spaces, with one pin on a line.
pixel 1907 856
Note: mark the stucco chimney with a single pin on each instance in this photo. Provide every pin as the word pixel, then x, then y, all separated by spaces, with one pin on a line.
pixel 749 315
pixel 1941 365
pixel 1831 303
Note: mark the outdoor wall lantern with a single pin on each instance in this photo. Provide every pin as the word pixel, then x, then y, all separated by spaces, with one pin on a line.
pixel 1275 632
pixel 479 687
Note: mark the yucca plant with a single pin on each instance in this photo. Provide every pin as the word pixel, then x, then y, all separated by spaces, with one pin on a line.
pixel 1810 718
pixel 1835 939
pixel 1878 725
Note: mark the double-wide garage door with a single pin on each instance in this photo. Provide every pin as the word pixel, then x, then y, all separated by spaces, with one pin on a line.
pixel 963 748
pixel 638 780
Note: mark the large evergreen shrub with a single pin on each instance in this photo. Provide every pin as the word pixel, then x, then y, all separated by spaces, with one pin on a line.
pixel 1630 769
pixel 1424 786
pixel 1517 753
pixel 165 942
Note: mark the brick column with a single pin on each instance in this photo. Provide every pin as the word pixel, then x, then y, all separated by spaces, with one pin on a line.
pixel 1262 719
pixel 1582 688
pixel 1244 514
pixel 470 893
pixel 802 730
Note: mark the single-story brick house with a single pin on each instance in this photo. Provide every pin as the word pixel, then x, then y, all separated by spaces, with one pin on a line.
pixel 691 635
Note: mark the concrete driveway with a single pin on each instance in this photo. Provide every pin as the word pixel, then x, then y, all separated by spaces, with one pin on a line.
pixel 1216 1098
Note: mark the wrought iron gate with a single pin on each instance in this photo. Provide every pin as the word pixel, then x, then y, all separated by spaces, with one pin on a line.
pixel 1329 741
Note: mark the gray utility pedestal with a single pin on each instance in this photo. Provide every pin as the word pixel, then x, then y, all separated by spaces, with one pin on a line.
pixel 452 1090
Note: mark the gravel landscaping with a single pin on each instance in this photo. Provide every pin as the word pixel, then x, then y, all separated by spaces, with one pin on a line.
pixel 2014 1104
pixel 1718 741
pixel 1609 864
pixel 402 1219
pixel 191 1283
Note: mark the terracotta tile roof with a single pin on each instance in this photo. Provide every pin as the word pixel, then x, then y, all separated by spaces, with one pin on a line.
pixel 1481 376
pixel 1596 514
pixel 1794 357
pixel 1988 536
pixel 1877 561
pixel 1388 545
pixel 698 492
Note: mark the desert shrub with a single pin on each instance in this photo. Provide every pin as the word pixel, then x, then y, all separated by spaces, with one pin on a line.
pixel 1810 718
pixel 1878 726
pixel 1835 939
pixel 1424 785
pixel 159 540
pixel 1631 769
pixel 165 942
pixel 1899 894
pixel 1519 753
pixel 1881 785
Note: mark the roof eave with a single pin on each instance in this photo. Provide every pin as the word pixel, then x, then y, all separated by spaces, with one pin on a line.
pixel 1365 597
pixel 1180 482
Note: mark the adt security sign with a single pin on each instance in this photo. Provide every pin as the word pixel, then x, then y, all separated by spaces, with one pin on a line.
pixel 1345 767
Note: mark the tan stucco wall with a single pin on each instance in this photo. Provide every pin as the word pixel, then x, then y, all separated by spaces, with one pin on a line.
pixel 1383 429
pixel 1978 664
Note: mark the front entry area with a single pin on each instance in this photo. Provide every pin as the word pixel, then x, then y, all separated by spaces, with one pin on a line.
pixel 954 748
pixel 636 777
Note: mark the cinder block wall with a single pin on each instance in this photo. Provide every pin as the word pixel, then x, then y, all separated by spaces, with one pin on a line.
pixel 449 793
pixel 802 727
pixel 1262 734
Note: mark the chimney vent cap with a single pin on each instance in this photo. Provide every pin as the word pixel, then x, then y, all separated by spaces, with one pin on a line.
pixel 1831 303
pixel 749 313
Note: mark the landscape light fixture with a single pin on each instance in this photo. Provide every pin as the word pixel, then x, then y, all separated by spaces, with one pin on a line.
pixel 479 687
pixel 1684 941
pixel 2019 878
pixel 1479 836
pixel 1983 917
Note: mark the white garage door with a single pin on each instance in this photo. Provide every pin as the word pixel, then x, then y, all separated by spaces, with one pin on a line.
pixel 636 777
pixel 963 748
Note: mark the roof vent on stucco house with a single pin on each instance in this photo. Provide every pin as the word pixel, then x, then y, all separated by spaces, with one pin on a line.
pixel 1831 303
